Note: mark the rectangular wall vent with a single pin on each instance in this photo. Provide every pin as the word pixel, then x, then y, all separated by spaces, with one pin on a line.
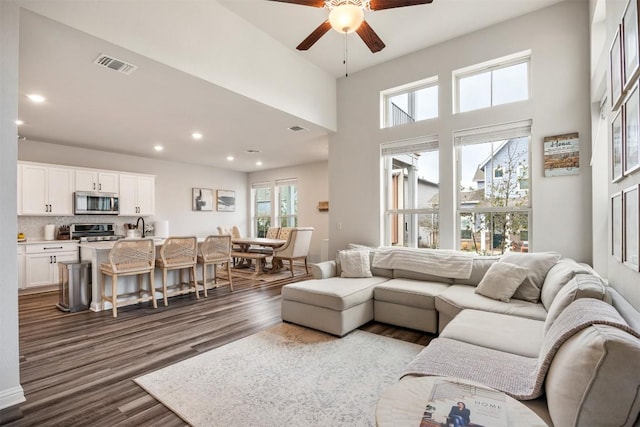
pixel 115 64
pixel 297 128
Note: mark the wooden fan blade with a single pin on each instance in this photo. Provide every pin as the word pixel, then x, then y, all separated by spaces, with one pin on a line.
pixel 369 37
pixel 312 3
pixel 315 36
pixel 390 4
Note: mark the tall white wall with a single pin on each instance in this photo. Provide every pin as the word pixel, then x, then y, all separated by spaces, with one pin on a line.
pixel 11 392
pixel 313 186
pixel 174 182
pixel 559 104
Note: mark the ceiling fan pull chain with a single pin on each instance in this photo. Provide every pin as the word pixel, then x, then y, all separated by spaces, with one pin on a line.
pixel 344 61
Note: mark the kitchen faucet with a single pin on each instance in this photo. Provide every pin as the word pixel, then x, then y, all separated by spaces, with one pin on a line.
pixel 138 227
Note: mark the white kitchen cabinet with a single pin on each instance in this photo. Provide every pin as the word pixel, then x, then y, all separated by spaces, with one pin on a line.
pixel 45 190
pixel 21 266
pixel 92 180
pixel 41 262
pixel 137 194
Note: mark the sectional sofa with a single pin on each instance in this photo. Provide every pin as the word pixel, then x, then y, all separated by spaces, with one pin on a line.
pixel 546 330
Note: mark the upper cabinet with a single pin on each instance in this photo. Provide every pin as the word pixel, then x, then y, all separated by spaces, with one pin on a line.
pixel 137 195
pixel 45 190
pixel 91 180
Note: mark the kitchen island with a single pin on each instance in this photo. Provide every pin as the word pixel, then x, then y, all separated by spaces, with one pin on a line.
pixel 98 253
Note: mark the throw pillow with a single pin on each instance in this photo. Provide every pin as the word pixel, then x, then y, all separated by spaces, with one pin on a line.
pixel 501 281
pixel 354 263
pixel 539 264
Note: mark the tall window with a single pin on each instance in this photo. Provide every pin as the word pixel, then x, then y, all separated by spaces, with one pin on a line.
pixel 494 200
pixel 410 103
pixel 287 203
pixel 261 196
pixel 411 192
pixel 497 82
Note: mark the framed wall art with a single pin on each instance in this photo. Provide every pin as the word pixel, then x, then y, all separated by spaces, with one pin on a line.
pixel 630 44
pixel 631 226
pixel 616 226
pixel 202 199
pixel 616 147
pixel 562 155
pixel 631 135
pixel 615 70
pixel 226 201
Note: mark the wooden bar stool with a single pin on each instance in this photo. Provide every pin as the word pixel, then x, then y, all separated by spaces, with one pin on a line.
pixel 213 251
pixel 129 258
pixel 178 253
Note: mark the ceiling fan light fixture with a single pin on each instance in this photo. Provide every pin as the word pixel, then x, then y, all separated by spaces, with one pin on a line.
pixel 346 18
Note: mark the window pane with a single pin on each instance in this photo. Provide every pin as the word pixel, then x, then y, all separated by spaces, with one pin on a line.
pixel 428 231
pixel 494 233
pixel 510 84
pixel 474 92
pixel 426 103
pixel 428 178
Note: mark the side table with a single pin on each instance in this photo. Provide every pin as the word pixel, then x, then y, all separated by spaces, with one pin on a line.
pixel 404 403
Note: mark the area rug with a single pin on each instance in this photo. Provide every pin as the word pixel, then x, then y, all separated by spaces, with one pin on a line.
pixel 284 376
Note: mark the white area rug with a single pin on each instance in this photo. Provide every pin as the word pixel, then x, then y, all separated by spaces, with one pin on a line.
pixel 285 376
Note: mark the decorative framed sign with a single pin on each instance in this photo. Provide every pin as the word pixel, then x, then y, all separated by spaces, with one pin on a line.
pixel 615 70
pixel 616 226
pixel 631 135
pixel 226 200
pixel 631 226
pixel 562 155
pixel 202 199
pixel 616 147
pixel 630 44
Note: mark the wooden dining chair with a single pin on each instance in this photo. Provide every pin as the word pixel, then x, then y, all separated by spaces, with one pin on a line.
pixel 178 253
pixel 213 251
pixel 129 258
pixel 297 247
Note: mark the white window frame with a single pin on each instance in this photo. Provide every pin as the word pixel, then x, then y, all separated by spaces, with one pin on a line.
pixel 279 184
pixel 408 146
pixel 485 135
pixel 254 201
pixel 408 88
pixel 490 66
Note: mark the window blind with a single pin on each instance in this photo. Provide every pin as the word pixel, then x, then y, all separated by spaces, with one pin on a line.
pixel 493 133
pixel 409 146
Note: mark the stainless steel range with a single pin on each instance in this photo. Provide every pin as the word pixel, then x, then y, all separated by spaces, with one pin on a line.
pixel 93 232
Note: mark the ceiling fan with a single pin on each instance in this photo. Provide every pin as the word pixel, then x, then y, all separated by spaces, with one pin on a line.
pixel 347 16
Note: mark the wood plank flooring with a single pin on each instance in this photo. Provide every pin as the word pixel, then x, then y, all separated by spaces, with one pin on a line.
pixel 77 369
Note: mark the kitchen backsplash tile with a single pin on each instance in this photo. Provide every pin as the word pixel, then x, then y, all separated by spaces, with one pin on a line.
pixel 33 226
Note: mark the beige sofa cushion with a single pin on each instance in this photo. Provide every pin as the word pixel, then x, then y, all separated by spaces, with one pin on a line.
pixel 511 334
pixel 414 275
pixel 458 297
pixel 411 293
pixel 539 264
pixel 335 293
pixel 558 276
pixel 480 267
pixel 501 281
pixel 382 272
pixel 594 379
pixel 354 263
pixel 581 286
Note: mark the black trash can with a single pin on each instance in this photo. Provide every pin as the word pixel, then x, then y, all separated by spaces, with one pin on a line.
pixel 75 286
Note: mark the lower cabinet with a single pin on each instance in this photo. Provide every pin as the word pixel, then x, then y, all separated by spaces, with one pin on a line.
pixel 41 262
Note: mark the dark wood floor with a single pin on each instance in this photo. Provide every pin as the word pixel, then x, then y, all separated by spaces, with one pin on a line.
pixel 78 369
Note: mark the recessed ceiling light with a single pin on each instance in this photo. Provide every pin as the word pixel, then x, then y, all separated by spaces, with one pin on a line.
pixel 258 163
pixel 230 158
pixel 19 122
pixel 34 97
pixel 158 147
pixel 196 135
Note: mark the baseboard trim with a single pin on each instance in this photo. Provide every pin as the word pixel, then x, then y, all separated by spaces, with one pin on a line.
pixel 11 397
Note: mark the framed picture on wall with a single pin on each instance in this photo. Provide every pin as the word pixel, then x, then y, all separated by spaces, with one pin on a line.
pixel 631 134
pixel 616 226
pixel 631 226
pixel 630 44
pixel 616 146
pixel 615 70
pixel 226 200
pixel 202 199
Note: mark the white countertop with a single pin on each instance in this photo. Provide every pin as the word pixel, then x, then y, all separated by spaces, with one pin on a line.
pixel 42 241
pixel 107 245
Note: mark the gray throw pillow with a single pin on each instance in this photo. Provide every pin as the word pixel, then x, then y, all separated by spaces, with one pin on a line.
pixel 539 264
pixel 501 281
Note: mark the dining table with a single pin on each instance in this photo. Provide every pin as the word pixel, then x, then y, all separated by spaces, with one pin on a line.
pixel 244 244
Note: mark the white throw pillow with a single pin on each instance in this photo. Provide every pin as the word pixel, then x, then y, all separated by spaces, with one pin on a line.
pixel 501 281
pixel 354 263
pixel 539 264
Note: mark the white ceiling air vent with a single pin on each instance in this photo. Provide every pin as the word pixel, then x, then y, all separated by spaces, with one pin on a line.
pixel 297 128
pixel 115 64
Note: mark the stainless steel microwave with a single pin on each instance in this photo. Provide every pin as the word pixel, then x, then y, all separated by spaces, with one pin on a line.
pixel 93 203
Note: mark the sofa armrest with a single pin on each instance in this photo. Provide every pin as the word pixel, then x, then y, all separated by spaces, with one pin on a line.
pixel 324 270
